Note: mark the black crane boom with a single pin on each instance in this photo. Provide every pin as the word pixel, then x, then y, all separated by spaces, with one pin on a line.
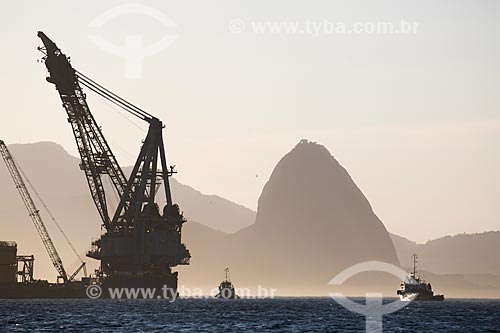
pixel 97 158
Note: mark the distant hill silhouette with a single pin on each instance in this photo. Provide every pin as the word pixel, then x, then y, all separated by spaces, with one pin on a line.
pixel 312 198
pixel 460 254
pixel 215 212
pixel 311 222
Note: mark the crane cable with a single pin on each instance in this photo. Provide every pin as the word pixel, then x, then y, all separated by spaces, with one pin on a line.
pixel 130 105
pixel 106 96
pixel 112 97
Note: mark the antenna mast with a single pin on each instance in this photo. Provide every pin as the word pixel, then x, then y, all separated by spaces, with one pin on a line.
pixel 415 260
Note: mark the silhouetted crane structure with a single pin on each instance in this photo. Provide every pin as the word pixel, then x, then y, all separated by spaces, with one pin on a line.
pixel 140 243
pixel 19 179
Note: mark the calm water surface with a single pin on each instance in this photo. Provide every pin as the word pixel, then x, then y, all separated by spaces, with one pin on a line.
pixel 244 315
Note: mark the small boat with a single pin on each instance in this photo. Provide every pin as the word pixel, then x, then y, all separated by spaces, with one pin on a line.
pixel 226 288
pixel 416 289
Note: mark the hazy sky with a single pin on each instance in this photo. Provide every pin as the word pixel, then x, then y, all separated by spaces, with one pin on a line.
pixel 414 118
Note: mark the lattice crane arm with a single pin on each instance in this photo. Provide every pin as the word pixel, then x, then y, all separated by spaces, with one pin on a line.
pixel 97 159
pixel 96 155
pixel 34 213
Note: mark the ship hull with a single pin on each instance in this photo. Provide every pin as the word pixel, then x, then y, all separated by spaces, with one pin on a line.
pixel 157 287
pixel 42 290
pixel 154 286
pixel 226 293
pixel 420 297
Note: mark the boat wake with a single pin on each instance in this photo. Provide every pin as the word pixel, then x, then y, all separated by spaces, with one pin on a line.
pixel 408 297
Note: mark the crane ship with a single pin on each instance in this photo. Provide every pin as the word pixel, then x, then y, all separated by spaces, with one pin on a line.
pixel 141 240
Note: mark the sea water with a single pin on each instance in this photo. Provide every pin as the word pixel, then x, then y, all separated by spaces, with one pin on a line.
pixel 243 315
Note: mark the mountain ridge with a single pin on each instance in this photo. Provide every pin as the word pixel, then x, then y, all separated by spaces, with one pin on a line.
pixel 60 182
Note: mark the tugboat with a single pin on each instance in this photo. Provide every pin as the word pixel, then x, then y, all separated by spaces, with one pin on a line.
pixel 416 289
pixel 226 288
